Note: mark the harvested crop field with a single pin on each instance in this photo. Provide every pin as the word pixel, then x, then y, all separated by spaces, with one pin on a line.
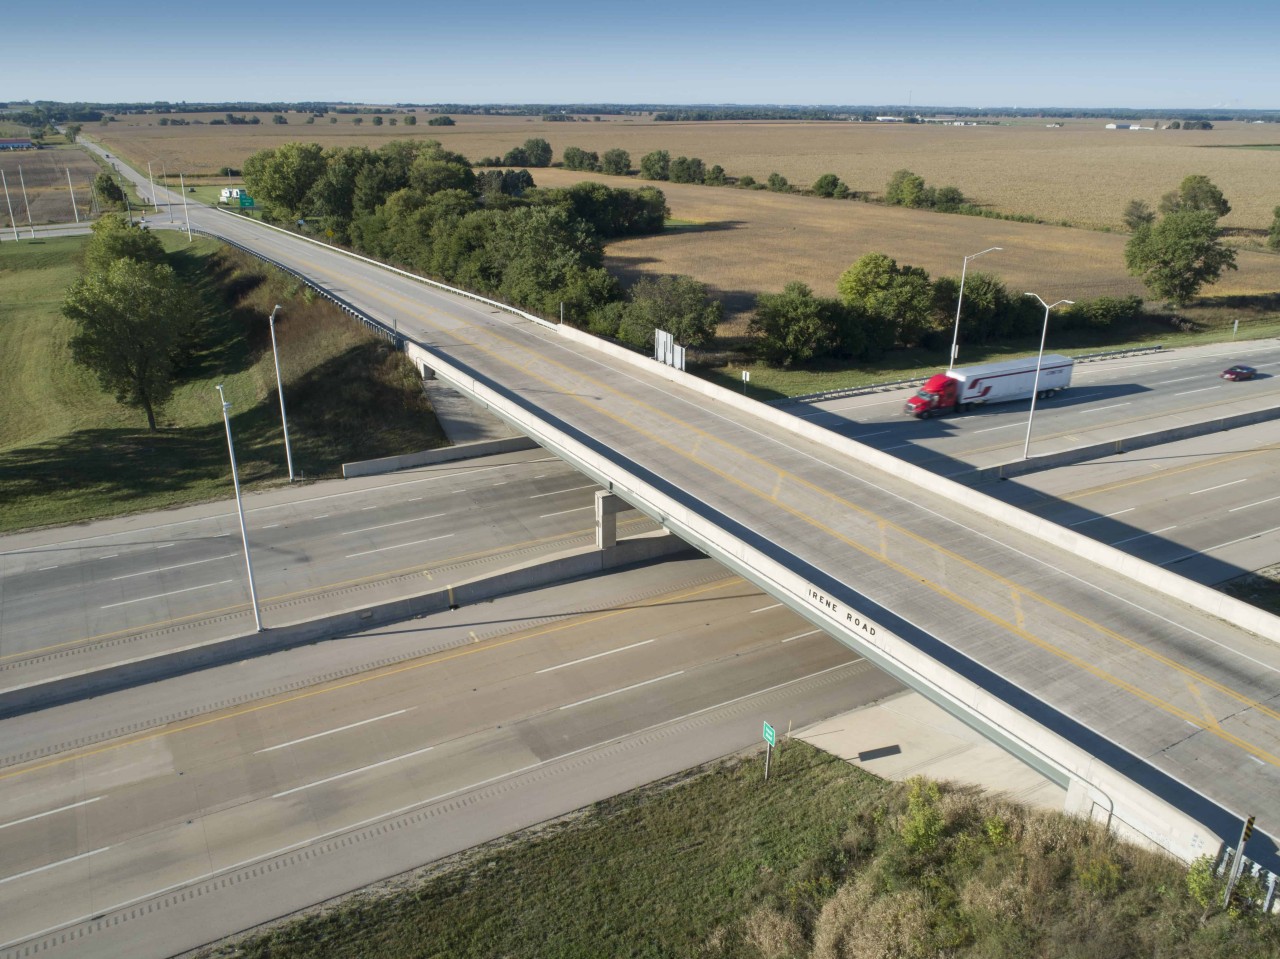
pixel 44 173
pixel 1079 172
pixel 744 242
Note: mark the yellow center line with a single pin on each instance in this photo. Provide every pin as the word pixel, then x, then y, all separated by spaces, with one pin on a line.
pixel 1204 707
pixel 435 659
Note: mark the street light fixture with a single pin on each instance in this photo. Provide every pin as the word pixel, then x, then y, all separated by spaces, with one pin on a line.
pixel 288 453
pixel 955 337
pixel 1035 388
pixel 244 536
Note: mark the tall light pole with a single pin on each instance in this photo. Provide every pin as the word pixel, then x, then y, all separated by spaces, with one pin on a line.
pixel 25 202
pixel 955 337
pixel 183 183
pixel 152 181
pixel 168 198
pixel 1035 388
pixel 72 191
pixel 288 453
pixel 244 536
pixel 12 222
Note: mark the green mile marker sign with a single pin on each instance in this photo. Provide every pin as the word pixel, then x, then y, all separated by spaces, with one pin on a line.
pixel 245 200
pixel 769 735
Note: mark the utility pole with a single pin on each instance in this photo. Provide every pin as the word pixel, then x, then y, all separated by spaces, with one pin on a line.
pixel 73 195
pixel 183 183
pixel 26 202
pixel 244 536
pixel 284 419
pixel 12 222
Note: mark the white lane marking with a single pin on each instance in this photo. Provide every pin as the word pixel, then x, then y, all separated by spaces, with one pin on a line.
pixel 382 816
pixel 502 483
pixel 900 446
pixel 587 659
pixel 167 545
pixel 41 815
pixel 1203 389
pixel 557 492
pixel 763 609
pixel 1230 542
pixel 1210 489
pixel 330 732
pixel 1107 516
pixel 563 511
pixel 109 556
pixel 321 516
pixel 383 549
pixel 352 772
pixel 812 632
pixel 45 569
pixel 165 569
pixel 1005 427
pixel 416 519
pixel 221 535
pixel 1180 379
pixel 269 526
pixel 1141 535
pixel 1259 503
pixel 143 599
pixel 414 499
pixel 1099 409
pixel 52 865
pixel 363 508
pixel 624 689
pixel 863 436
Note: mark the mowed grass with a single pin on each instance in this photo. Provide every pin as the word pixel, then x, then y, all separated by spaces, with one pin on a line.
pixel 1080 173
pixel 813 864
pixel 69 452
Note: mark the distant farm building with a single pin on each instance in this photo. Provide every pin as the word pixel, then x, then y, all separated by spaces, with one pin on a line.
pixel 1127 126
pixel 16 143
pixel 891 120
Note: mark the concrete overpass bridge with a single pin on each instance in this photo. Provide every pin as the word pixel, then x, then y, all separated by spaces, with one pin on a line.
pixel 1153 701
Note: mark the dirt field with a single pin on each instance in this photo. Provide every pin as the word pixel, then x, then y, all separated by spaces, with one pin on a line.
pixel 745 242
pixel 1081 172
pixel 45 175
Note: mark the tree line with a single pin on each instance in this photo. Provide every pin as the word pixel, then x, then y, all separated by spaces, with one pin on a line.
pixel 492 231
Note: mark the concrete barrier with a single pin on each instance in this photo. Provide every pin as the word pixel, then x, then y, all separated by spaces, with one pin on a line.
pixel 199 656
pixel 1112 447
pixel 445 454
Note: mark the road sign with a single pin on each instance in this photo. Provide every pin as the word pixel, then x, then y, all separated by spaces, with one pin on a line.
pixel 769 735
pixel 245 200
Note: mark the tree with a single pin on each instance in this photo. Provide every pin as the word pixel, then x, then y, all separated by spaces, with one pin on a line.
pixel 947 199
pixel 71 131
pixel 516 156
pixel 902 296
pixel 778 183
pixel 1273 238
pixel 129 328
pixel 115 238
pixel 1179 255
pixel 677 304
pixel 285 175
pixel 656 165
pixel 904 189
pixel 576 158
pixel 687 170
pixel 412 121
pixel 793 325
pixel 538 151
pixel 280 118
pixel 377 121
pixel 715 176
pixel 107 188
pixel 616 162
pixel 441 121
pixel 829 185
pixel 1196 193
pixel 1138 214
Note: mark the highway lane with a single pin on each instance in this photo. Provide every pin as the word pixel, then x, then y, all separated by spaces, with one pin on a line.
pixel 569 695
pixel 1208 507
pixel 1044 620
pixel 1107 399
pixel 68 589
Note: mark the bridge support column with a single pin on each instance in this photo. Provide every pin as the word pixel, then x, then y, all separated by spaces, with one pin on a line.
pixel 608 506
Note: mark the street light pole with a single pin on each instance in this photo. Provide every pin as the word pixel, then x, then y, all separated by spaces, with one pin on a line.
pixel 955 337
pixel 244 536
pixel 183 184
pixel 288 453
pixel 1035 388
pixel 152 180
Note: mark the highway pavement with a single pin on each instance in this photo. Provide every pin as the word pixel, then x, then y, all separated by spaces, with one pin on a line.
pixel 299 776
pixel 1107 399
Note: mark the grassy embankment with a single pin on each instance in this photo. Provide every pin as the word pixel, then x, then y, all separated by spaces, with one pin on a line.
pixel 69 452
pixel 824 861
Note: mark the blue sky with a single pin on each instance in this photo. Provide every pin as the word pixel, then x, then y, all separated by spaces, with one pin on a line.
pixel 981 53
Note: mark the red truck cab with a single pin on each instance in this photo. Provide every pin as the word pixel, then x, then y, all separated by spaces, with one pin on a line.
pixel 938 395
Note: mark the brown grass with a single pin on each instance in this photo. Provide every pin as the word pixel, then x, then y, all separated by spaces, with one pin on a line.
pixel 1081 172
pixel 45 173
pixel 745 242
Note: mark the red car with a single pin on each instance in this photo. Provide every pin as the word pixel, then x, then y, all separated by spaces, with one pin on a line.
pixel 1239 373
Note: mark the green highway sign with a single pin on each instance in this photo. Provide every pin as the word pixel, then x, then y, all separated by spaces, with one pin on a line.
pixel 769 736
pixel 245 200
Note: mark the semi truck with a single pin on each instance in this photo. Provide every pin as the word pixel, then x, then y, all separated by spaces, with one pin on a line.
pixel 958 389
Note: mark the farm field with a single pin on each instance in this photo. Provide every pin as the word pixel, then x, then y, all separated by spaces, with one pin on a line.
pixel 1079 173
pixel 744 242
pixel 45 175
